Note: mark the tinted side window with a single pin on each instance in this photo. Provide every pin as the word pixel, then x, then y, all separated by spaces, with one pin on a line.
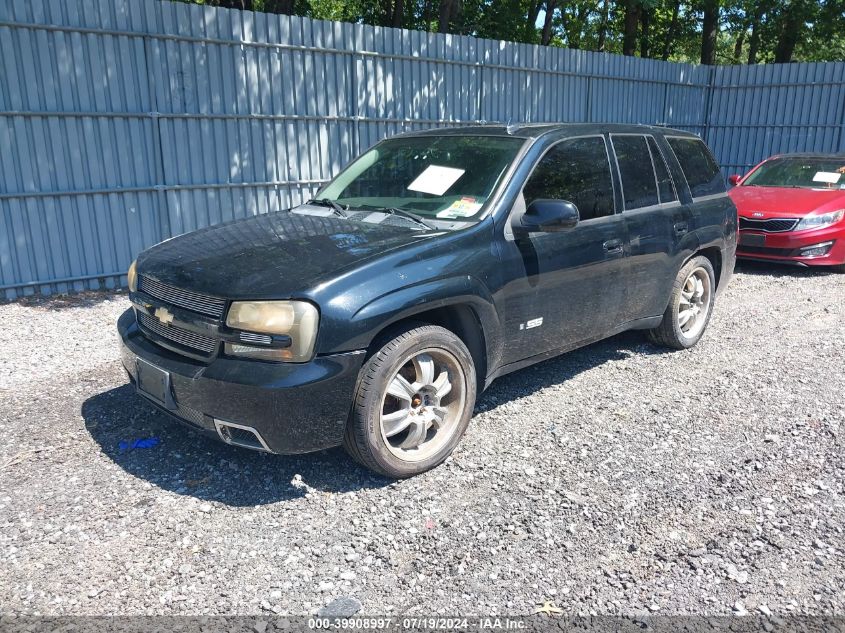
pixel 638 186
pixel 699 167
pixel 665 186
pixel 577 170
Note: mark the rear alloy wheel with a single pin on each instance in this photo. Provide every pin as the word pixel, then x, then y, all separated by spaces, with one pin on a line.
pixel 690 306
pixel 414 401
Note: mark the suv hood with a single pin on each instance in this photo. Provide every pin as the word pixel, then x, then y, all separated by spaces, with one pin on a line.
pixel 785 202
pixel 276 255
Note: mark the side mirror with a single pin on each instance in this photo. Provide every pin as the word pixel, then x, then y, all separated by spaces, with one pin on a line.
pixel 734 179
pixel 548 216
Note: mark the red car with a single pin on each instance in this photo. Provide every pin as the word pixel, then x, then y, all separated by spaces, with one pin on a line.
pixel 792 210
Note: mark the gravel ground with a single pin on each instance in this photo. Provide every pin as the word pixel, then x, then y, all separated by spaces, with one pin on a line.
pixel 618 479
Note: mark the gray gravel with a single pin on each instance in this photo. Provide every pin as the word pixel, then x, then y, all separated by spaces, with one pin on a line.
pixel 615 479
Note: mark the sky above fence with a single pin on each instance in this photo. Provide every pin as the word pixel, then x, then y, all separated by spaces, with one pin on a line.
pixel 125 122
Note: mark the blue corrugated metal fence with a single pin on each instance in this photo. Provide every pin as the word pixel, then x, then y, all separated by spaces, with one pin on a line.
pixel 123 122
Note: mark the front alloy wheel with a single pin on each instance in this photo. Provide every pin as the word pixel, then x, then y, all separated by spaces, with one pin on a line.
pixel 423 404
pixel 414 401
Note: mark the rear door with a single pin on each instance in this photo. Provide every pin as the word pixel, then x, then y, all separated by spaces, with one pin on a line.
pixel 713 213
pixel 566 287
pixel 657 220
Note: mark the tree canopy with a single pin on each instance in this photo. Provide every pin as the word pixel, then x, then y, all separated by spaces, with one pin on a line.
pixel 706 31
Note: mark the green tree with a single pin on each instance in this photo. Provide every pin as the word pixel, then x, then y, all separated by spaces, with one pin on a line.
pixel 825 39
pixel 705 31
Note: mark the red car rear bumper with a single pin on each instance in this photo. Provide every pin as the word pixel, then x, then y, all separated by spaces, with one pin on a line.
pixel 787 247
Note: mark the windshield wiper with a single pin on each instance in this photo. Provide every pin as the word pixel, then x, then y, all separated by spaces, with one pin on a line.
pixel 338 209
pixel 406 214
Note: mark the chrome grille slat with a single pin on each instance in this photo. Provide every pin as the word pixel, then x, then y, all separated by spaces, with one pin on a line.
pixel 772 225
pixel 262 339
pixel 194 301
pixel 186 338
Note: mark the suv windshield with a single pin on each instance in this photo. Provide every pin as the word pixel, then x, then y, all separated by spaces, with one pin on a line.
pixel 443 177
pixel 825 173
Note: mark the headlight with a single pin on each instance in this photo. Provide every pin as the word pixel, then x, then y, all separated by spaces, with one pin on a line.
pixel 132 277
pixel 821 220
pixel 296 319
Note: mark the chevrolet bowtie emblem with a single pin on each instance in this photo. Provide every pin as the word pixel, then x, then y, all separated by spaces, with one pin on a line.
pixel 164 315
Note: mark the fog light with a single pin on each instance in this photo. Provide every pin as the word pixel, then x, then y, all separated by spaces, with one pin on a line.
pixel 261 353
pixel 816 250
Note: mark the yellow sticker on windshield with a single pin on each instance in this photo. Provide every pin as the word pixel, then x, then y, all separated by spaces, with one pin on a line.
pixel 462 208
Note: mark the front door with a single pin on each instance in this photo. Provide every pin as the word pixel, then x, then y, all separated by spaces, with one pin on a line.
pixel 566 287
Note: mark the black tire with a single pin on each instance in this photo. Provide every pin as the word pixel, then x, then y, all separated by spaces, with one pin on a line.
pixel 669 333
pixel 364 439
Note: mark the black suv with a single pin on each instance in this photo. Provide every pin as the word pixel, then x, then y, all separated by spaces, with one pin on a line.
pixel 373 315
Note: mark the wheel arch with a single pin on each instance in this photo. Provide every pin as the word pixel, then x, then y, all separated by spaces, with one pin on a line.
pixel 714 256
pixel 461 304
pixel 461 319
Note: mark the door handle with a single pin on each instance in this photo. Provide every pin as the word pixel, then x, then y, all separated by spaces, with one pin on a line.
pixel 613 247
pixel 681 228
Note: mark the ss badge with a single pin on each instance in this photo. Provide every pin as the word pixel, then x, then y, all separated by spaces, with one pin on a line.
pixel 531 324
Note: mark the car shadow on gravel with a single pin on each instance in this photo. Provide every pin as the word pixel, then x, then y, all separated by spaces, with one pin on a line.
pixel 152 446
pixel 560 369
pixel 780 270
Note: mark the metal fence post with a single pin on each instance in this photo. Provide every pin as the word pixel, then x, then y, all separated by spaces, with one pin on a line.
pixel 353 109
pixel 480 99
pixel 158 154
pixel 840 136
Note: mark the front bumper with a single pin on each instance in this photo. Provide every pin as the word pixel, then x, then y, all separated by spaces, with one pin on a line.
pixel 296 408
pixel 786 247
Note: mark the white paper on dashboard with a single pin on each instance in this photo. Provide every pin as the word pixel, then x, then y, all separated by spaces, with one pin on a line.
pixel 436 179
pixel 831 177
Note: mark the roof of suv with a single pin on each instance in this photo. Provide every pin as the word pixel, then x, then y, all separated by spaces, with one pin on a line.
pixel 536 130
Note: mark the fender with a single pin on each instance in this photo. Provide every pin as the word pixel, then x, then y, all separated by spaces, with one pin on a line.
pixel 377 315
pixel 688 247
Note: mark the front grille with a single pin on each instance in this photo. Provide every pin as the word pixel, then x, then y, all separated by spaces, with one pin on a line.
pixel 764 250
pixel 776 225
pixel 191 340
pixel 204 304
